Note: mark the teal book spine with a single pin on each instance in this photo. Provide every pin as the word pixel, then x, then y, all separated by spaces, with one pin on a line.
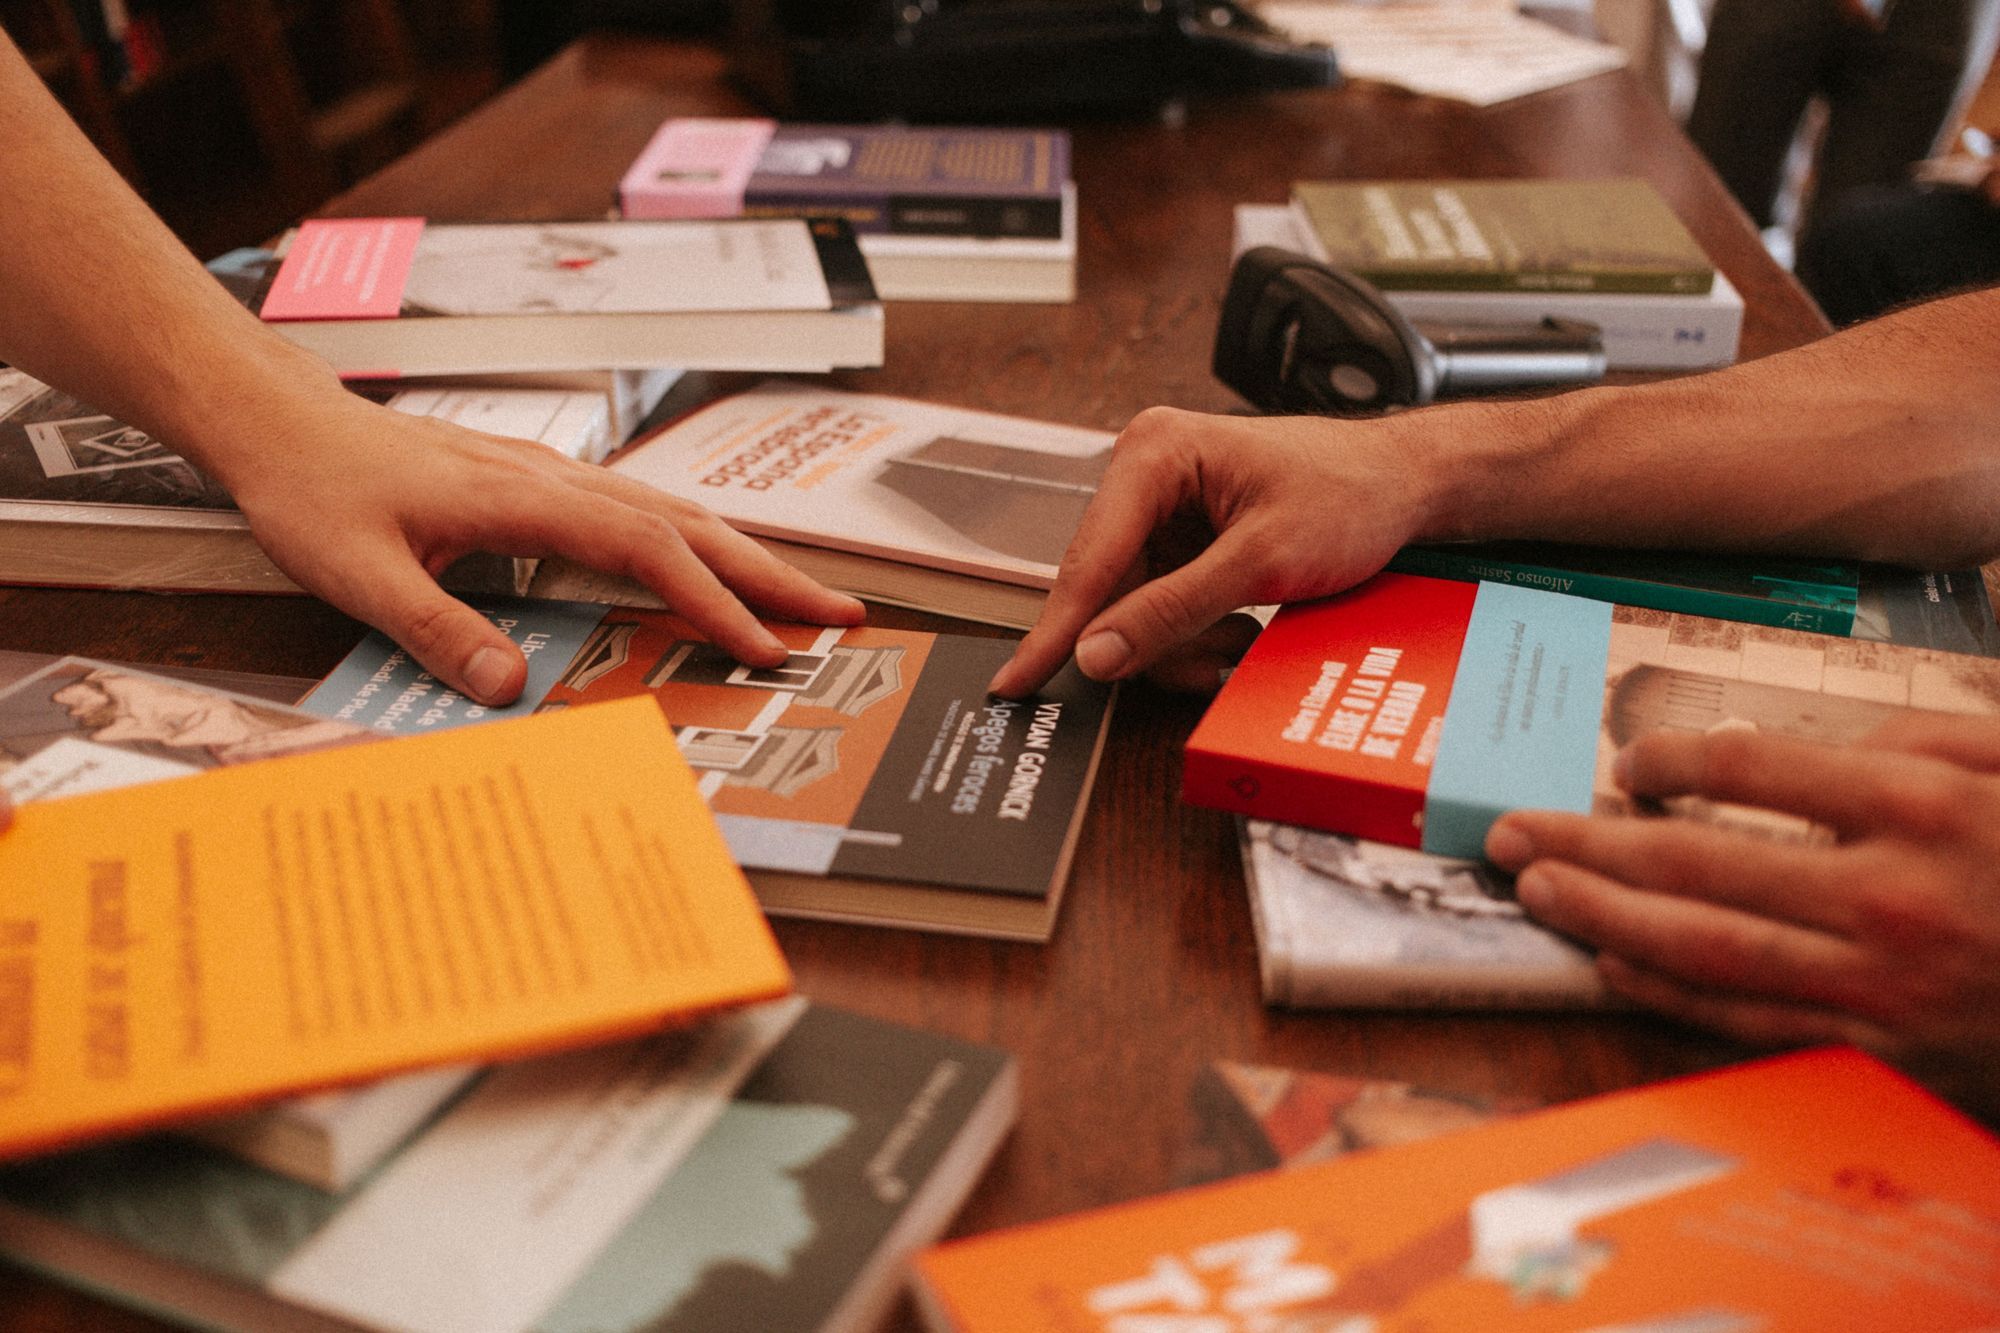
pixel 1726 589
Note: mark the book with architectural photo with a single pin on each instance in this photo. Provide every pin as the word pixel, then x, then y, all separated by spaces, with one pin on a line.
pixel 1698 1204
pixel 848 781
pixel 87 501
pixel 918 504
pixel 771 1169
pixel 400 297
pixel 1415 711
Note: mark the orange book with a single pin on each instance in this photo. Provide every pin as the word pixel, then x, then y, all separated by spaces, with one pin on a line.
pixel 190 945
pixel 1819 1191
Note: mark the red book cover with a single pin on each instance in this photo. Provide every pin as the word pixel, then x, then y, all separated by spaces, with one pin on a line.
pixel 1340 701
pixel 1814 1192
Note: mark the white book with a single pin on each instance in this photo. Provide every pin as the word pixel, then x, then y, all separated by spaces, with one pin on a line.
pixel 976 268
pixel 1343 923
pixel 631 395
pixel 961 512
pixel 1642 331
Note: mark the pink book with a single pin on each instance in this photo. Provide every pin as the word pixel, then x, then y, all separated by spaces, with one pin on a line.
pixel 695 168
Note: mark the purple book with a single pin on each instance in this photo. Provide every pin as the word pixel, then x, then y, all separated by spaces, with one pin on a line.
pixel 916 182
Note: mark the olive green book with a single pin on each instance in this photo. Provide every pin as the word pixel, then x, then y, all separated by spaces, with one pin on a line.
pixel 1503 235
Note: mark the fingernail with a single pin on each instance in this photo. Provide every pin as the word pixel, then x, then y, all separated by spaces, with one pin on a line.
pixel 1507 846
pixel 1103 655
pixel 1532 889
pixel 487 673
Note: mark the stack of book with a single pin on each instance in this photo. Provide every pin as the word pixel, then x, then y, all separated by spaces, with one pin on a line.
pixel 1610 252
pixel 954 214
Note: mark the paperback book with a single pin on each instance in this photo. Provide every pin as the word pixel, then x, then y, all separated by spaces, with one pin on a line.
pixel 1614 235
pixel 400 297
pixel 772 1169
pixel 201 943
pixel 847 782
pixel 1698 1204
pixel 915 504
pixel 87 501
pixel 1640 331
pixel 1416 711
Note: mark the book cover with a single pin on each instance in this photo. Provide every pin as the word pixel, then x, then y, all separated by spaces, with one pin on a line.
pixel 1693 1204
pixel 1338 716
pixel 768 1170
pixel 848 782
pixel 694 167
pixel 1344 923
pixel 1614 235
pixel 87 501
pixel 192 945
pixel 977 494
pixel 914 180
pixel 1821 596
pixel 375 298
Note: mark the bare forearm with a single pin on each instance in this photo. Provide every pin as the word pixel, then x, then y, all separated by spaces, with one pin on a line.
pixel 1881 443
pixel 102 301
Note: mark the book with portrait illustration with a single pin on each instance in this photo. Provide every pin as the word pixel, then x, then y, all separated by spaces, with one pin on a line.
pixel 1415 711
pixel 1810 1192
pixel 336 912
pixel 87 501
pixel 917 504
pixel 848 781
pixel 770 1169
pixel 400 296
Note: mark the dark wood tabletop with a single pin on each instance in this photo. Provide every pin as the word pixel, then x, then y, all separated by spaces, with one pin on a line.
pixel 1152 972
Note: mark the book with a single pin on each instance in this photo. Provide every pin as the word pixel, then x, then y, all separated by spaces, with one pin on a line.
pixel 1792 593
pixel 916 504
pixel 1415 711
pixel 848 782
pixel 1345 923
pixel 941 215
pixel 882 179
pixel 194 945
pixel 1258 1117
pixel 1692 1204
pixel 388 297
pixel 1613 235
pixel 768 1170
pixel 1648 331
pixel 87 501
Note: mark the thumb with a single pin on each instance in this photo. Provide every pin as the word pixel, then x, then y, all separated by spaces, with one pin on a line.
pixel 448 638
pixel 1158 616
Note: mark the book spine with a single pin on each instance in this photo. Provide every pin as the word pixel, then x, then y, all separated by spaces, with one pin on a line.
pixel 1622 591
pixel 1567 281
pixel 984 216
pixel 1288 795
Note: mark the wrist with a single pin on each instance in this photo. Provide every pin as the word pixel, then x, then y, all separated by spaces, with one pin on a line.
pixel 1490 470
pixel 265 394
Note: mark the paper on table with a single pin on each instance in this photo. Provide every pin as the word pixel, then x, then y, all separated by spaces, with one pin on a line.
pixel 1473 53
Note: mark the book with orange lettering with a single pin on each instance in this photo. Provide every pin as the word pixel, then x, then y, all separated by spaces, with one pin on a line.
pixel 205 942
pixel 1415 711
pixel 1818 1191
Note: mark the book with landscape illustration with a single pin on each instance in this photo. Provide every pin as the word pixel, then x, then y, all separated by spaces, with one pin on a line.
pixel 87 501
pixel 848 781
pixel 319 918
pixel 400 297
pixel 916 504
pixel 1699 1203
pixel 1415 711
pixel 768 1169
pixel 1611 235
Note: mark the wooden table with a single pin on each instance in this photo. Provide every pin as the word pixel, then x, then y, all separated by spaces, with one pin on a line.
pixel 1152 972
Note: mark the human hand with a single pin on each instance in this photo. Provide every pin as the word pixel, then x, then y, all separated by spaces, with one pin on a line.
pixel 365 506
pixel 1198 515
pixel 1888 939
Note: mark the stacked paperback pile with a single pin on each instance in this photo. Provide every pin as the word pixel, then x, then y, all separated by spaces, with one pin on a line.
pixel 1609 252
pixel 942 214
